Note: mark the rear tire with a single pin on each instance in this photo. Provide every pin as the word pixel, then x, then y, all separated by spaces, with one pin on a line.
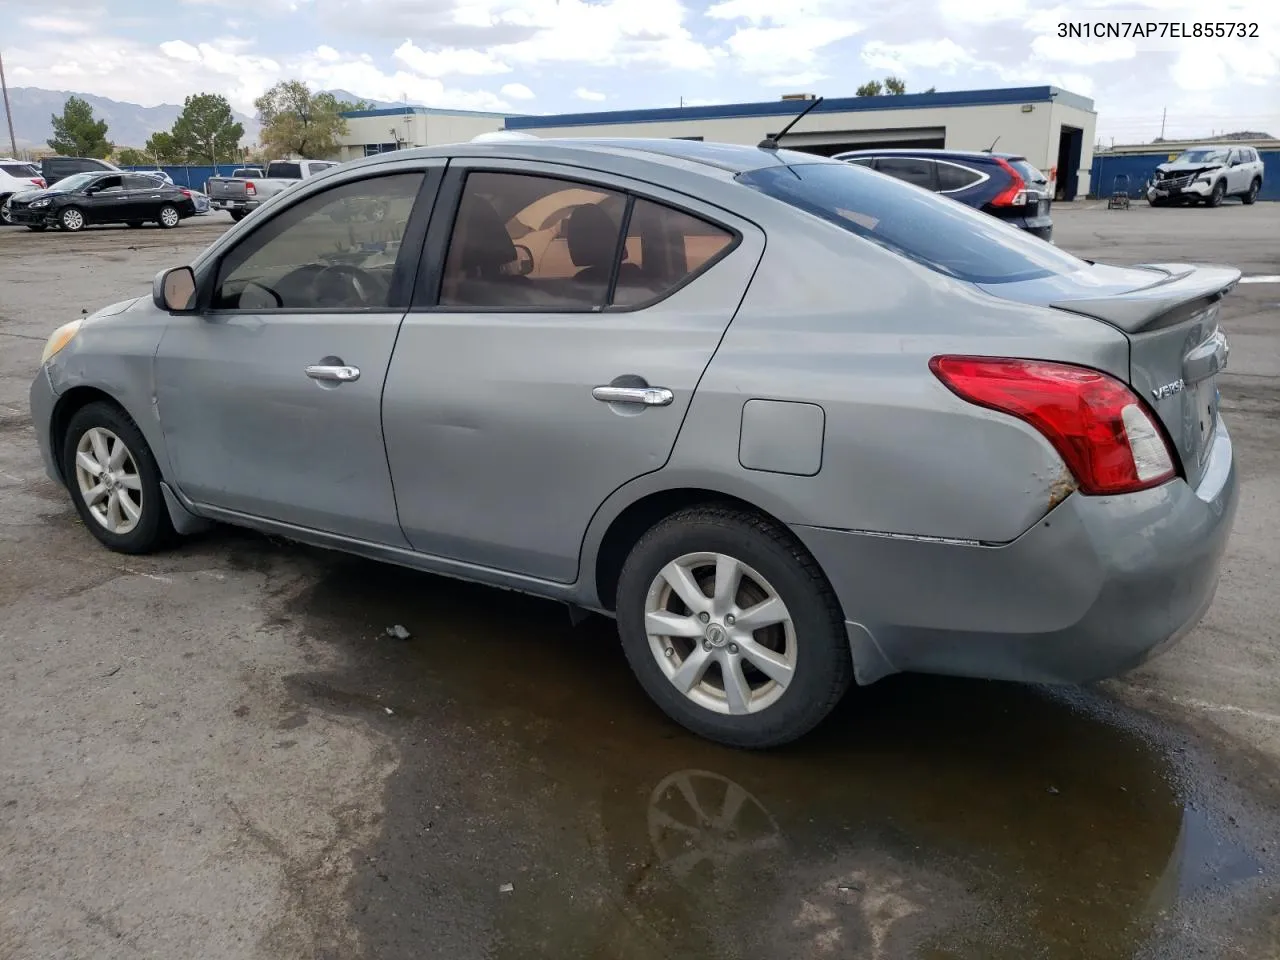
pixel 101 431
pixel 169 217
pixel 237 215
pixel 1219 192
pixel 806 654
pixel 1251 196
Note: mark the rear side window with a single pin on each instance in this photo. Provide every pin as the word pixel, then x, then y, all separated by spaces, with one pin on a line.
pixel 923 173
pixel 283 170
pixel 137 181
pixel 664 247
pixel 953 176
pixel 935 231
pixel 19 169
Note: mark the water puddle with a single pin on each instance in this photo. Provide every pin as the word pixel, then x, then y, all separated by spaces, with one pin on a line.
pixel 931 818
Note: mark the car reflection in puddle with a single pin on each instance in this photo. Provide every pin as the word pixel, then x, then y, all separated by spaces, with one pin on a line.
pixel 931 817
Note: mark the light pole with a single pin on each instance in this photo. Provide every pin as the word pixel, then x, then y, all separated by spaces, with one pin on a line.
pixel 13 141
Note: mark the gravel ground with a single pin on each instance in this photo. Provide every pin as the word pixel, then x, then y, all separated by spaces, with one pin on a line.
pixel 217 752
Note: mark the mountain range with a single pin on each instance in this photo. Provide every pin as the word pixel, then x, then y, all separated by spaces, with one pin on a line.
pixel 128 124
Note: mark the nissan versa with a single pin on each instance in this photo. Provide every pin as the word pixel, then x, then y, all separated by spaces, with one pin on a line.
pixel 790 421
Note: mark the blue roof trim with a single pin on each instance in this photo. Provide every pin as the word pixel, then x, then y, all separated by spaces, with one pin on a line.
pixel 787 108
pixel 423 111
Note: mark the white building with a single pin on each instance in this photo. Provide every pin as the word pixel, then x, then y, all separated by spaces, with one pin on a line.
pixel 1052 128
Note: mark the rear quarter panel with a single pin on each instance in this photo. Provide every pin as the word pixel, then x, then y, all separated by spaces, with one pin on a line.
pixel 834 320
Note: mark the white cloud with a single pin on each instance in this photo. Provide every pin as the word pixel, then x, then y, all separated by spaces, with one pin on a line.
pixel 582 93
pixel 53 24
pixel 447 62
pixel 781 41
pixel 904 58
pixel 517 91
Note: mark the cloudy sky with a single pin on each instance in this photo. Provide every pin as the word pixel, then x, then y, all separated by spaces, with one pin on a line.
pixel 551 56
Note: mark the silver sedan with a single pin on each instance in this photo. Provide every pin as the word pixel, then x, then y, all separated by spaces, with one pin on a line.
pixel 792 422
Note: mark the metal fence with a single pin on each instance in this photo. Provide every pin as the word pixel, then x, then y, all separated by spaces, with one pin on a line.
pixel 194 177
pixel 1141 167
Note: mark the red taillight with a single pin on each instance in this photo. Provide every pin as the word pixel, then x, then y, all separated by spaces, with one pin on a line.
pixel 40 183
pixel 1104 433
pixel 1015 194
pixel 185 192
pixel 250 188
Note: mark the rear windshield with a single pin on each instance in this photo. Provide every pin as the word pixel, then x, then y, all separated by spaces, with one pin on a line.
pixel 284 171
pixel 935 231
pixel 1028 172
pixel 19 169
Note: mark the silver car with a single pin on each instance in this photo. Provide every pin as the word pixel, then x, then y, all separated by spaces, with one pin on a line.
pixel 792 422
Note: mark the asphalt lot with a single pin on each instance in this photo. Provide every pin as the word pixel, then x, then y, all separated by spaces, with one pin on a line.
pixel 217 752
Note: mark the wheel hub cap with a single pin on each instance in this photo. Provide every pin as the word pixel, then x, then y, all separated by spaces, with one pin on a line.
pixel 716 635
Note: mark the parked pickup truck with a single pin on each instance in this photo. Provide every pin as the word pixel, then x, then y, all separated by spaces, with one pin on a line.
pixel 238 195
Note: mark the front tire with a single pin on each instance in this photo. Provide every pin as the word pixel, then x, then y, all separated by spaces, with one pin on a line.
pixel 1252 195
pixel 1219 192
pixel 4 214
pixel 114 480
pixel 169 217
pixel 71 220
pixel 731 627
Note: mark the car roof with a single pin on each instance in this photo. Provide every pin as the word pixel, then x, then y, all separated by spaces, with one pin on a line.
pixel 932 152
pixel 686 154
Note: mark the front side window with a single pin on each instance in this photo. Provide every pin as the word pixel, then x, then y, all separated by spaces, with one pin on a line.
pixel 910 170
pixel 935 231
pixel 863 161
pixel 108 185
pixel 336 249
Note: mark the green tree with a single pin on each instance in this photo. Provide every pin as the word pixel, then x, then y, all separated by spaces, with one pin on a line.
pixel 77 134
pixel 163 148
pixel 131 157
pixel 895 86
pixel 871 88
pixel 206 131
pixel 296 121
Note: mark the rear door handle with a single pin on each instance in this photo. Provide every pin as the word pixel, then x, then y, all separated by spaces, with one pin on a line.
pixel 333 373
pixel 643 396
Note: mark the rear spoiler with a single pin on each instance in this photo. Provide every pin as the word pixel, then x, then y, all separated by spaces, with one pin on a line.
pixel 1179 289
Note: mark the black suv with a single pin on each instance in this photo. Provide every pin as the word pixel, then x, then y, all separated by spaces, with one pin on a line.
pixel 53 169
pixel 1004 185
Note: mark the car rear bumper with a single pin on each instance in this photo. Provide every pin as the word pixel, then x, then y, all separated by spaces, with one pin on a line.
pixel 235 205
pixel 1096 587
pixel 42 399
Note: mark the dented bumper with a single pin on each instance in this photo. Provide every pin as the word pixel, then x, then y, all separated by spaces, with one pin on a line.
pixel 1096 587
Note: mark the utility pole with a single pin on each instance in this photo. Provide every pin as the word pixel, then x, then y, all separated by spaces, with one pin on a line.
pixel 1164 112
pixel 8 113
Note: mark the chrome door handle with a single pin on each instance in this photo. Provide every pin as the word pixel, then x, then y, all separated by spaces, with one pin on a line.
pixel 644 396
pixel 333 374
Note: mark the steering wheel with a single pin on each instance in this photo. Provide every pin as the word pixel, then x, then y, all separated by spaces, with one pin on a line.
pixel 342 285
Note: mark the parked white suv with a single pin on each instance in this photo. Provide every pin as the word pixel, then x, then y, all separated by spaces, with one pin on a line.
pixel 1207 175
pixel 16 176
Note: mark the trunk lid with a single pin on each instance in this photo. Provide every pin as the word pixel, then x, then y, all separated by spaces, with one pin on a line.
pixel 1170 315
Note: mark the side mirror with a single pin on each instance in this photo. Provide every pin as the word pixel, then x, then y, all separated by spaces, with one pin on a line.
pixel 174 290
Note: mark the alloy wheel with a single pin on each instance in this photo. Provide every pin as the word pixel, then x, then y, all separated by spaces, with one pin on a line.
pixel 108 480
pixel 72 219
pixel 169 217
pixel 720 632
